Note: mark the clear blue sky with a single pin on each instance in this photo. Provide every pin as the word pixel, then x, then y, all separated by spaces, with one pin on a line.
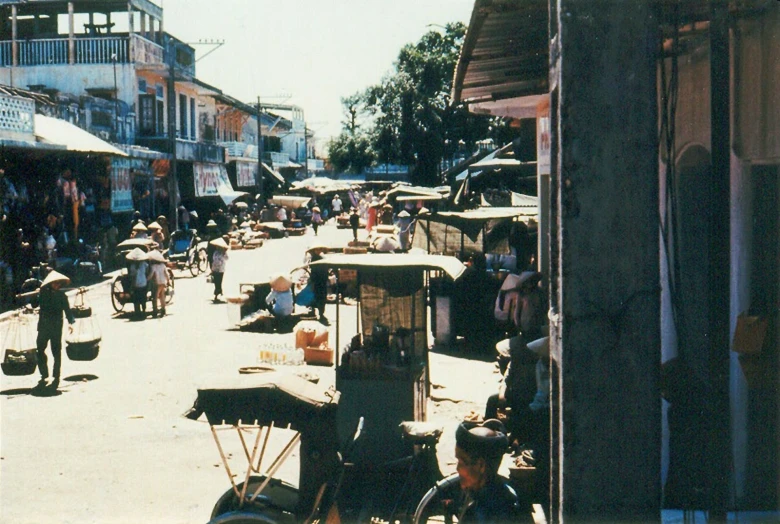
pixel 316 51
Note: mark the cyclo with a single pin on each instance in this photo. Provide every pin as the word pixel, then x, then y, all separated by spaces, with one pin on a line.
pixel 121 286
pixel 333 483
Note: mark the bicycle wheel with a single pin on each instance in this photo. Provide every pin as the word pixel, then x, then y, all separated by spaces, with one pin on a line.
pixel 244 517
pixel 278 500
pixel 169 288
pixel 116 295
pixel 203 260
pixel 192 263
pixel 442 501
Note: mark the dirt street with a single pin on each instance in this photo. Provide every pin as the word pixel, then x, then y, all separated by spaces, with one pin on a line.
pixel 112 445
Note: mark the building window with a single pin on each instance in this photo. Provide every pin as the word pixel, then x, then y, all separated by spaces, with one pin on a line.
pixel 147 122
pixel 192 119
pixel 183 116
pixel 159 91
pixel 142 85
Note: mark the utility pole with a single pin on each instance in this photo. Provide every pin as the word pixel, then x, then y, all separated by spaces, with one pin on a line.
pixel 260 174
pixel 116 100
pixel 173 183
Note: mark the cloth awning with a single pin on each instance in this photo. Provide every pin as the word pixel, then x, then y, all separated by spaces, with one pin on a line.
pixel 274 173
pixel 290 201
pixel 55 131
pixel 376 262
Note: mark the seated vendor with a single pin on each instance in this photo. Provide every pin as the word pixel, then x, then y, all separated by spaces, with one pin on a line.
pixel 479 451
pixel 280 298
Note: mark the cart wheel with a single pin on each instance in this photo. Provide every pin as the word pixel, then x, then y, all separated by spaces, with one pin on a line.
pixel 245 517
pixel 169 288
pixel 300 278
pixel 192 263
pixel 116 292
pixel 203 260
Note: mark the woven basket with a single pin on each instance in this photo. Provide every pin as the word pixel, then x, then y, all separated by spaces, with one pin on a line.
pixel 81 311
pixel 87 350
pixel 19 362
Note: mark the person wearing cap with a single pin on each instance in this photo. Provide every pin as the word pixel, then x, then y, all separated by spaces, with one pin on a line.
pixel 280 298
pixel 164 229
pixel 316 219
pixel 319 282
pixel 138 270
pixel 386 216
pixel 156 233
pixel 140 231
pixel 158 281
pixel 336 206
pixel 219 260
pixel 404 229
pixel 53 305
pixel 525 389
pixel 487 497
pixel 354 222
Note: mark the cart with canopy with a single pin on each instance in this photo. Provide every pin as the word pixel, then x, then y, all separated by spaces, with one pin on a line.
pixel 383 373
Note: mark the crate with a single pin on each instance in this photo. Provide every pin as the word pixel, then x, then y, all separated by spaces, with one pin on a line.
pixel 314 355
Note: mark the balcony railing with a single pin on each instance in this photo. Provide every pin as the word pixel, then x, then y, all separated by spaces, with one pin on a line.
pixel 87 50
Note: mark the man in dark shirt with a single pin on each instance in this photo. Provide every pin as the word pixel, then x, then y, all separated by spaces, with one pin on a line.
pixel 53 303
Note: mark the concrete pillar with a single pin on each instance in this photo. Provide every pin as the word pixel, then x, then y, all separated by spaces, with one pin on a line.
pixel 605 289
pixel 131 32
pixel 143 25
pixel 71 36
pixel 719 254
pixel 14 37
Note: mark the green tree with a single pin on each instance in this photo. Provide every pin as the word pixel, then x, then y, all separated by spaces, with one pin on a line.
pixel 351 151
pixel 413 121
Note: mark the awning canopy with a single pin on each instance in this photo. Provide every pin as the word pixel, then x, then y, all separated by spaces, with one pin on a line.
pixel 379 261
pixel 290 201
pixel 505 55
pixel 273 173
pixel 60 132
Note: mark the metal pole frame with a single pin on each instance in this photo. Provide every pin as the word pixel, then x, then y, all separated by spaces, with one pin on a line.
pixel 173 183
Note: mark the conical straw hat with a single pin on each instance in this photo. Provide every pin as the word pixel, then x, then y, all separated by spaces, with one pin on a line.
pixel 54 277
pixel 140 227
pixel 154 225
pixel 156 256
pixel 219 243
pixel 136 255
pixel 281 282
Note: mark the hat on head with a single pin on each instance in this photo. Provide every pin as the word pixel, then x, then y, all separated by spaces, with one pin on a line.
pixel 219 243
pixel 245 223
pixel 336 196
pixel 540 346
pixel 54 276
pixel 317 247
pixel 140 227
pixel 154 225
pixel 156 256
pixel 510 282
pixel 280 282
pixel 211 223
pixel 487 440
pixel 316 209
pixel 386 244
pixel 423 210
pixel 137 255
pixel 404 214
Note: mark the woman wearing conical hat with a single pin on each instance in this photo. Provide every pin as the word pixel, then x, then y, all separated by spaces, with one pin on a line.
pixel 53 304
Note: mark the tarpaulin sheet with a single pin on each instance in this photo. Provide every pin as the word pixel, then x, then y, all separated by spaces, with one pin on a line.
pixel 384 261
pixel 264 398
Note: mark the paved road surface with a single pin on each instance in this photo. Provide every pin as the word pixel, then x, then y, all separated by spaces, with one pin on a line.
pixel 112 445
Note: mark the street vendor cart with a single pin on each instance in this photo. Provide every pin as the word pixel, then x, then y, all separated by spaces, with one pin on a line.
pixel 383 371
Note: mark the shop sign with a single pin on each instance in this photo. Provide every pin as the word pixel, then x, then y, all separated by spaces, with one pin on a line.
pixel 246 174
pixel 543 139
pixel 121 187
pixel 210 179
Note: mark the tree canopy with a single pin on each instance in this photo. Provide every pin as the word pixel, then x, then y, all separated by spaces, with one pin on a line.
pixel 409 119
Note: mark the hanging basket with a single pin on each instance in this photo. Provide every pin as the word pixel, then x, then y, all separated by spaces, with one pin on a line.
pixel 19 362
pixel 81 311
pixel 83 350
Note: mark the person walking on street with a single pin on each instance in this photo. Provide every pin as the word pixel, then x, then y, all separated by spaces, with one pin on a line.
pixel 53 304
pixel 354 223
pixel 138 280
pixel 336 206
pixel 158 281
pixel 218 262
pixel 316 219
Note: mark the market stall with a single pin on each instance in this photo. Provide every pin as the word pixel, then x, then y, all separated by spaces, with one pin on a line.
pixel 383 372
